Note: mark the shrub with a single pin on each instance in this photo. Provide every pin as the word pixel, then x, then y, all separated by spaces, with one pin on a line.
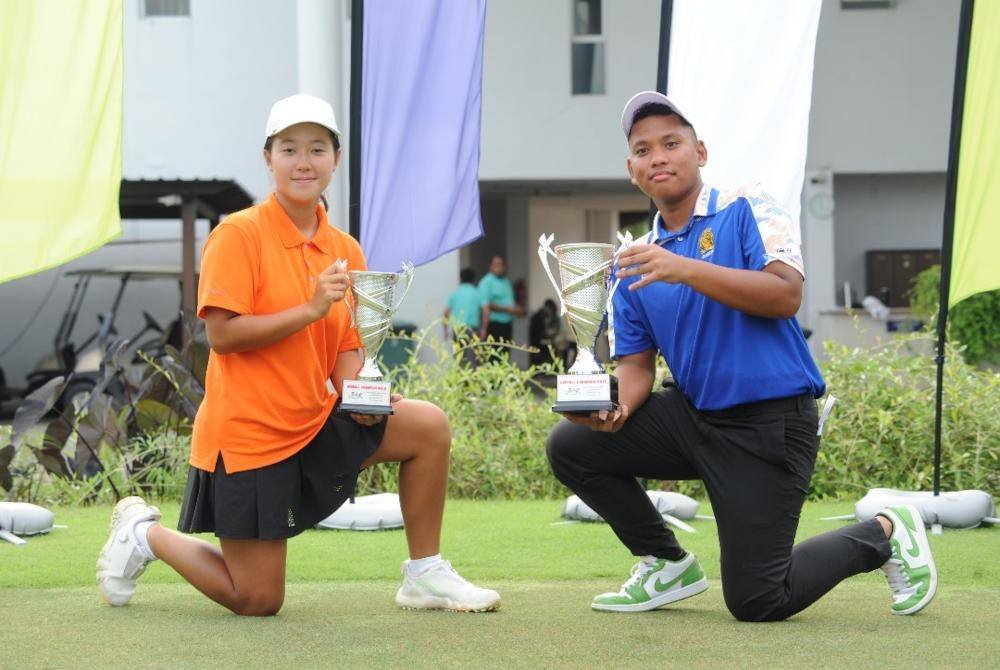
pixel 881 434
pixel 125 437
pixel 882 431
pixel 973 323
pixel 500 416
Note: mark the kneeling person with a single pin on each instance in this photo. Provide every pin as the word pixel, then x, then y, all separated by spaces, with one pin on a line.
pixel 714 288
pixel 269 456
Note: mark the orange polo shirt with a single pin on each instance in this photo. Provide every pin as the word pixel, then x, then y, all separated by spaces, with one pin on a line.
pixel 265 405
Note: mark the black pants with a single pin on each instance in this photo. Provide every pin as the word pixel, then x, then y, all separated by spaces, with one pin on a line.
pixel 500 331
pixel 756 461
pixel 469 353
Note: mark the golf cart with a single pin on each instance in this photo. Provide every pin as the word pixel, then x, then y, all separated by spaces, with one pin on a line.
pixel 83 357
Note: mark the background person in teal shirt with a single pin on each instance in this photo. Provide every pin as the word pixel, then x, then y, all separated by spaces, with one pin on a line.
pixel 498 297
pixel 464 308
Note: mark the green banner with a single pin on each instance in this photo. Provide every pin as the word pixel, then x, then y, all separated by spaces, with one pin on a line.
pixel 975 266
pixel 60 130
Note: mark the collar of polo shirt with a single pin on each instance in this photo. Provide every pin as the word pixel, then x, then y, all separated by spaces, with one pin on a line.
pixel 291 236
pixel 703 206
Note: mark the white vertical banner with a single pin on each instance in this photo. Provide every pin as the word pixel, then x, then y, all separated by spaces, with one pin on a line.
pixel 742 72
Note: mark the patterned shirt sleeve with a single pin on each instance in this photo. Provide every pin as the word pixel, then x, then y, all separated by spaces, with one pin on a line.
pixel 780 235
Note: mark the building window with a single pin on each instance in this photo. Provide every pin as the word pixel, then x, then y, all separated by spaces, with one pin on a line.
pixel 587 48
pixel 149 8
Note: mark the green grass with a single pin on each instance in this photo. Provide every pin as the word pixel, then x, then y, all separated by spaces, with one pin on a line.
pixel 339 613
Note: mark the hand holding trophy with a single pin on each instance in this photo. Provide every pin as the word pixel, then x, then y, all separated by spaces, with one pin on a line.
pixel 375 297
pixel 585 291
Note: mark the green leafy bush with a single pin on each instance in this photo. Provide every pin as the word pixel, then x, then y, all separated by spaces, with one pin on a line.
pixel 882 430
pixel 500 416
pixel 881 434
pixel 129 434
pixel 973 323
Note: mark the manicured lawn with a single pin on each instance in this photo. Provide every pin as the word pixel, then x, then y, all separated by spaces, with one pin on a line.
pixel 338 609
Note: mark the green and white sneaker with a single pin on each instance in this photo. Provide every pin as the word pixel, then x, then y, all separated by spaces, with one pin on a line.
pixel 910 572
pixel 654 584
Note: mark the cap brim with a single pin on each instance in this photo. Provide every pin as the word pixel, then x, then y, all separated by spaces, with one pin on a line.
pixel 332 129
pixel 642 99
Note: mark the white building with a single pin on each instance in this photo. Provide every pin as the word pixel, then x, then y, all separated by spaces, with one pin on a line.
pixel 198 86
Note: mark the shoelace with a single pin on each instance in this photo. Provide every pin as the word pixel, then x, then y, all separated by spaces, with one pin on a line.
pixel 639 570
pixel 895 575
pixel 440 566
pixel 446 565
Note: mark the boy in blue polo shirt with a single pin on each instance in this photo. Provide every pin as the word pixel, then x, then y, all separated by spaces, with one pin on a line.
pixel 714 287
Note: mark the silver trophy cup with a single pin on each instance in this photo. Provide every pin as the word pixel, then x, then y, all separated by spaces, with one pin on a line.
pixel 375 297
pixel 585 289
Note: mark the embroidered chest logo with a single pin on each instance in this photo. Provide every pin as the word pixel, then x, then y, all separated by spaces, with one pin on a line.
pixel 706 243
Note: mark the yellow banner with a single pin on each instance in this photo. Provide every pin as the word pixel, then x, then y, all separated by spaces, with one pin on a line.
pixel 60 130
pixel 974 264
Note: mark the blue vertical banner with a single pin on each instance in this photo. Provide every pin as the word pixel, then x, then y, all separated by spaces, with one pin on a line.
pixel 421 98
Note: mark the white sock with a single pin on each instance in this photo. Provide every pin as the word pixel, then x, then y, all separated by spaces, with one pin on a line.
pixel 419 566
pixel 141 528
pixel 651 560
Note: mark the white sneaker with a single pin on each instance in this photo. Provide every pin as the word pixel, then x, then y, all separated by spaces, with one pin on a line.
pixel 122 560
pixel 441 588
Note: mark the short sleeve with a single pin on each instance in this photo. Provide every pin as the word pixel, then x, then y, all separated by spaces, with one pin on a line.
pixel 230 271
pixel 774 237
pixel 628 329
pixel 486 290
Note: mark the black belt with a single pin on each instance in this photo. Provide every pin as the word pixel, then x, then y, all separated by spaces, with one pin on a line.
pixel 776 406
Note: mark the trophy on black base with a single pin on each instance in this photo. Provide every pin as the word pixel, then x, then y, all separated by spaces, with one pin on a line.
pixel 375 296
pixel 585 290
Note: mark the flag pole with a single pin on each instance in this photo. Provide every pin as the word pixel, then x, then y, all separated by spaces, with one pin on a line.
pixel 957 104
pixel 662 70
pixel 662 66
pixel 354 168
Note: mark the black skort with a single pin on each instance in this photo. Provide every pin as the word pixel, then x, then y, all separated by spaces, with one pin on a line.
pixel 281 500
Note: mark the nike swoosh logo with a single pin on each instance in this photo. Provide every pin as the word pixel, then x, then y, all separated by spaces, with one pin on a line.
pixel 661 587
pixel 913 551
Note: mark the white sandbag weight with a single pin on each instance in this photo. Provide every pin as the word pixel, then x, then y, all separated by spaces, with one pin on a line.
pixel 380 511
pixel 20 518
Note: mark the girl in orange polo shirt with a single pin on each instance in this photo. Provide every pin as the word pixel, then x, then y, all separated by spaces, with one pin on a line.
pixel 270 458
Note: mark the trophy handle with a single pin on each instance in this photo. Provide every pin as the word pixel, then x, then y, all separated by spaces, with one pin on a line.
pixel 544 251
pixel 624 242
pixel 405 277
pixel 352 304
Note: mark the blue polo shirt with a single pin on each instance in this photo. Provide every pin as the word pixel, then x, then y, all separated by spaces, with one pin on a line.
pixel 466 305
pixel 720 356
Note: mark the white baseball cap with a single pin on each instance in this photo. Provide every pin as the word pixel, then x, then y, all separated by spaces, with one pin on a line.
pixel 640 100
pixel 300 108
